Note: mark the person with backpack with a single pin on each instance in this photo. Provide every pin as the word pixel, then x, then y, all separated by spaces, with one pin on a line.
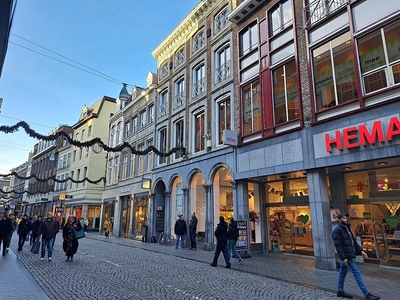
pixel 233 235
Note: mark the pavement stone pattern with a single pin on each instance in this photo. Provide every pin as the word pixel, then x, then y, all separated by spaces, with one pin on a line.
pixel 116 268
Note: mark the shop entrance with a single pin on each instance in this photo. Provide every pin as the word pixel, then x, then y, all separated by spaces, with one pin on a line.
pixel 140 212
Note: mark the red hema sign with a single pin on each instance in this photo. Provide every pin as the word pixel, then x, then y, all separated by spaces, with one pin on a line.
pixel 354 137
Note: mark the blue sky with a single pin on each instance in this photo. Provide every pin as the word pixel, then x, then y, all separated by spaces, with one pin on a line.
pixel 114 37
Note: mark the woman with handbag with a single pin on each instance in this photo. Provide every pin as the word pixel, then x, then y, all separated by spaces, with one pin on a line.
pixel 70 244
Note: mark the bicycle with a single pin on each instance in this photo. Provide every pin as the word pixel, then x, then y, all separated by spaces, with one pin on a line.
pixel 166 239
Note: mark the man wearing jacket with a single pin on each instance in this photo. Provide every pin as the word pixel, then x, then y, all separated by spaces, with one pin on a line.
pixel 221 233
pixel 192 231
pixel 23 229
pixel 347 248
pixel 180 231
pixel 5 229
pixel 48 229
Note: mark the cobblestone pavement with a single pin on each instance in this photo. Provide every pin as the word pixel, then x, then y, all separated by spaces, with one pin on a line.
pixel 103 270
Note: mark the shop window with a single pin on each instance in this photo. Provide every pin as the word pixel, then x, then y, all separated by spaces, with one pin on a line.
pixel 285 94
pixel 141 160
pixel 280 17
pixel 162 134
pixel 221 20
pixel 251 108
pixel 150 157
pixel 198 40
pixel 223 63
pixel 180 56
pixel 334 75
pixel 199 131
pixel 141 210
pixel 379 58
pixel 179 93
pixel 163 102
pixel 132 168
pixel 179 136
pixel 198 80
pixel 224 117
pixel 248 39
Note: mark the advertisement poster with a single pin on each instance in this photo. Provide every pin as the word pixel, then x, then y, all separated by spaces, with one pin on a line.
pixel 243 241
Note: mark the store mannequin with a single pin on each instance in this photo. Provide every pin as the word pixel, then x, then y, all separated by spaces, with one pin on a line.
pixel 362 228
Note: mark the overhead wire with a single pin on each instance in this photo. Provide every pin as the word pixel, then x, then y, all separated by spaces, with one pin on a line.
pixel 63 56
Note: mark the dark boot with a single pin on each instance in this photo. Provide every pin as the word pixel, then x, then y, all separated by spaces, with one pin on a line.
pixel 372 297
pixel 342 294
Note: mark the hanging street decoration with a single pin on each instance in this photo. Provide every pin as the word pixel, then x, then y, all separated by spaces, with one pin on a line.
pixel 50 180
pixel 96 143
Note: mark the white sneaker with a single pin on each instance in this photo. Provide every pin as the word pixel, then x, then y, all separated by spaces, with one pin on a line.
pixel 50 259
pixel 240 260
pixel 42 258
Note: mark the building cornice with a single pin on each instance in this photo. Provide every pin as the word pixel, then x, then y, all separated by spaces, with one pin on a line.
pixel 183 31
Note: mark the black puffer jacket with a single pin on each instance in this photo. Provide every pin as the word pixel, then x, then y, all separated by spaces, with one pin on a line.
pixel 180 227
pixel 343 242
pixel 233 232
pixel 221 232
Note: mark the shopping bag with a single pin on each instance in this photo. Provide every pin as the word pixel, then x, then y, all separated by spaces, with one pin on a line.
pixel 78 234
pixel 35 247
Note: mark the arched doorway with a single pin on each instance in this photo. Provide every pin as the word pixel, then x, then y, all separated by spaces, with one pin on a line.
pixel 160 208
pixel 223 195
pixel 177 205
pixel 198 203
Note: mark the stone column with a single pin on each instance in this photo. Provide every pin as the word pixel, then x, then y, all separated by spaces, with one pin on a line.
pixel 168 213
pixel 209 228
pixel 186 213
pixel 324 252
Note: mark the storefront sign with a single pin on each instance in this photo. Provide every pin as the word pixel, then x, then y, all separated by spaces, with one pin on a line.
pixel 230 137
pixel 243 240
pixel 356 136
pixel 125 190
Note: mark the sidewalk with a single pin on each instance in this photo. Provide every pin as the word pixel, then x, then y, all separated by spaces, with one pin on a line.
pixel 380 281
pixel 16 281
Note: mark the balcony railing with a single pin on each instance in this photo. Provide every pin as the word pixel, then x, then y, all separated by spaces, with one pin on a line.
pixel 178 100
pixel 320 9
pixel 198 87
pixel 223 71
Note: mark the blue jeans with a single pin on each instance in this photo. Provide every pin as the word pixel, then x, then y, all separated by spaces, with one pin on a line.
pixel 356 273
pixel 49 244
pixel 182 237
pixel 232 248
pixel 192 239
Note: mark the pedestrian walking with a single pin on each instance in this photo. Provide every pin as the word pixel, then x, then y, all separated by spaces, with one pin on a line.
pixel 5 230
pixel 347 248
pixel 48 230
pixel 192 231
pixel 180 230
pixel 107 227
pixel 23 230
pixel 86 221
pixel 233 235
pixel 14 226
pixel 221 233
pixel 70 244
pixel 35 228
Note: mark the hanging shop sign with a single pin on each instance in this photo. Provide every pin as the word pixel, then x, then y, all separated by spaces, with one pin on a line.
pixel 363 135
pixel 243 240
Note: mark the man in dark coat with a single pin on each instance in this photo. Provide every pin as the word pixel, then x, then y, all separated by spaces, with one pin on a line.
pixel 5 230
pixel 347 248
pixel 23 229
pixel 14 226
pixel 35 228
pixel 48 230
pixel 192 231
pixel 221 233
pixel 180 231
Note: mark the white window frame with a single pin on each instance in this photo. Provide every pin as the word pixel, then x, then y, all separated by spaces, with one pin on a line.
pixel 163 103
pixel 180 56
pixel 221 20
pixel 223 63
pixel 199 80
pixel 179 92
pixel 199 40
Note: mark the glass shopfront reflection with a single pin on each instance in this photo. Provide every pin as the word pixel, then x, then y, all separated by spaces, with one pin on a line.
pixel 374 209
